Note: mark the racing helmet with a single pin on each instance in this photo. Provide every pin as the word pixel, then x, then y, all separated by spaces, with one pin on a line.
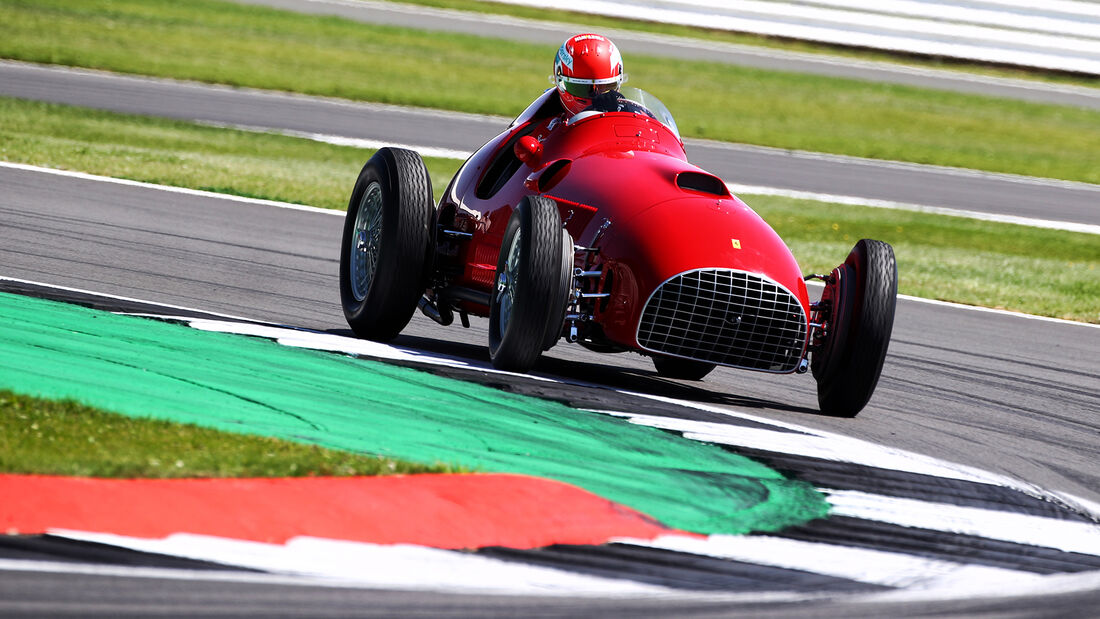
pixel 587 65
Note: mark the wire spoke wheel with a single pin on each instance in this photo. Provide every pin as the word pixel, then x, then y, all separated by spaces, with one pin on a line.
pixel 508 283
pixel 386 244
pixel 367 238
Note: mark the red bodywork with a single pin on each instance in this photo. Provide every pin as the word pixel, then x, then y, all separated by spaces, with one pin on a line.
pixel 623 185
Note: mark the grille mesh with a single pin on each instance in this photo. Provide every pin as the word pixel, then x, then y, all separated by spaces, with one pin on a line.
pixel 725 317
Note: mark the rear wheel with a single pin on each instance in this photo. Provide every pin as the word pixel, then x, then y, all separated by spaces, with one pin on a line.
pixel 534 272
pixel 385 244
pixel 861 298
pixel 683 369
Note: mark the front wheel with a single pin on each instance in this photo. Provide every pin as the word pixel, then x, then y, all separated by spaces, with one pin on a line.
pixel 534 272
pixel 860 297
pixel 385 244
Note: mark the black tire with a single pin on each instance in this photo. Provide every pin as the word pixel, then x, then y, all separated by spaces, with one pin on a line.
pixel 863 297
pixel 528 302
pixel 683 369
pixel 565 283
pixel 386 244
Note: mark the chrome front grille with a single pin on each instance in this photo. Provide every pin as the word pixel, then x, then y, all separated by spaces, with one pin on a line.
pixel 725 317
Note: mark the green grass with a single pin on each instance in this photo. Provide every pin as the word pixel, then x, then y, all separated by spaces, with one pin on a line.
pixel 597 23
pixel 184 154
pixel 1046 272
pixel 233 44
pixel 48 437
pixel 1032 270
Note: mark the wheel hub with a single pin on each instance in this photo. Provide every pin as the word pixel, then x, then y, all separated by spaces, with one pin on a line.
pixel 368 235
pixel 506 284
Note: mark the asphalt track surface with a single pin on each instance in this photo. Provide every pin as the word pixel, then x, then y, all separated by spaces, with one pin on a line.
pixel 89 596
pixel 798 171
pixel 1007 394
pixel 1004 393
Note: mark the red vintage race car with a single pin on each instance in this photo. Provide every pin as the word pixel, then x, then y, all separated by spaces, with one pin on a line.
pixel 596 229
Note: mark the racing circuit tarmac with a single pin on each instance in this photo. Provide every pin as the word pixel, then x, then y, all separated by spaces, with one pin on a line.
pixel 1004 393
pixel 1008 394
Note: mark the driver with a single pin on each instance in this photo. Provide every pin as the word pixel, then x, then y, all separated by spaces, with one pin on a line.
pixel 588 72
pixel 587 66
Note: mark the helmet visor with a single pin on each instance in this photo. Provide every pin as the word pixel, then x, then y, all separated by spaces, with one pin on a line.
pixel 587 89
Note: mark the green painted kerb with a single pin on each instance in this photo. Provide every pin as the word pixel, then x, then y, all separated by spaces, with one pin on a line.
pixel 146 368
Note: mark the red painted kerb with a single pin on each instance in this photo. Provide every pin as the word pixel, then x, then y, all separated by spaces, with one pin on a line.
pixel 441 511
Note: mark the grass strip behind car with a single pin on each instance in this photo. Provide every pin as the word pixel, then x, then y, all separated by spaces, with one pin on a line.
pixel 1045 272
pixel 222 42
pixel 183 154
pixel 63 437
pixel 1032 270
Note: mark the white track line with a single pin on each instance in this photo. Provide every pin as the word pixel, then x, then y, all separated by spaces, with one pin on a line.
pixel 340 140
pixel 133 300
pixel 461 155
pixel 331 212
pixel 978 308
pixel 891 164
pixel 1067 226
pixel 169 188
pixel 446 153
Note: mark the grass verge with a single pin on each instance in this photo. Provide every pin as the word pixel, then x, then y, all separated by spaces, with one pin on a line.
pixel 221 42
pixel 256 165
pixel 1032 270
pixel 49 437
pixel 988 264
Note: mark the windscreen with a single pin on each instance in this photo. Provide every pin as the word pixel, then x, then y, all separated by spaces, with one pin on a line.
pixel 654 105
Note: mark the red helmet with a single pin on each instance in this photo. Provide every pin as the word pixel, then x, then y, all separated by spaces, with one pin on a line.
pixel 586 65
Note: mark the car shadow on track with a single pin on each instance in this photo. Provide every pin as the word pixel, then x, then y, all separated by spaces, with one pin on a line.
pixel 625 372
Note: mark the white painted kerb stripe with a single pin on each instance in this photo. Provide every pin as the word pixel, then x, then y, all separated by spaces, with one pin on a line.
pixel 817 444
pixel 1064 535
pixel 888 569
pixel 397 566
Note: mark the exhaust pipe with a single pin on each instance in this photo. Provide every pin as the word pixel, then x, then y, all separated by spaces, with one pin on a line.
pixel 443 316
